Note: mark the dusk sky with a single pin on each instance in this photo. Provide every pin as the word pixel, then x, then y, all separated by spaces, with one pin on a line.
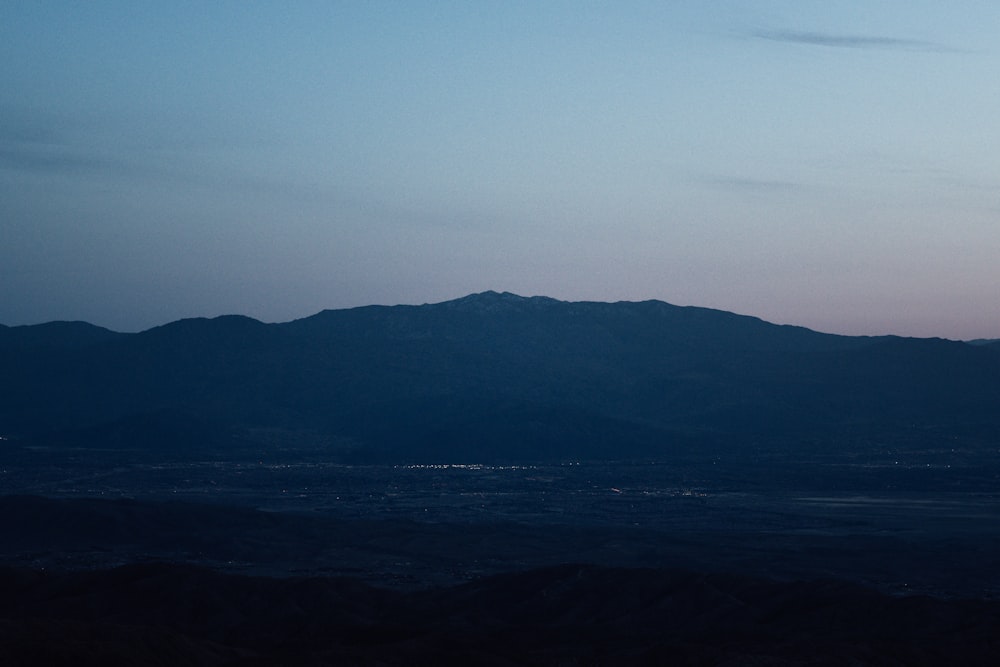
pixel 834 165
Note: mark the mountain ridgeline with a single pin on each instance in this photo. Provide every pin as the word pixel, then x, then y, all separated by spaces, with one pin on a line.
pixel 494 377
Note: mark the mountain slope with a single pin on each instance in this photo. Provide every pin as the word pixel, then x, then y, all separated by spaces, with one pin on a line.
pixel 499 376
pixel 54 336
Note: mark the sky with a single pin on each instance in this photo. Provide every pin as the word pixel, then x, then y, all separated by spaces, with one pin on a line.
pixel 834 165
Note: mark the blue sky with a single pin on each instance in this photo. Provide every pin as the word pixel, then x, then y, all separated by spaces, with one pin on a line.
pixel 828 164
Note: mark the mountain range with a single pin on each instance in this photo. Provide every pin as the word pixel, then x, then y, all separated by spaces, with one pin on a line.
pixel 494 376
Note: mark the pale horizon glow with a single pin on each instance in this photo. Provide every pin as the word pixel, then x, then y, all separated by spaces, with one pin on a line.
pixel 827 166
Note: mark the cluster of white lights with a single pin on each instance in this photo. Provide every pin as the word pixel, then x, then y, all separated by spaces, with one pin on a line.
pixel 459 466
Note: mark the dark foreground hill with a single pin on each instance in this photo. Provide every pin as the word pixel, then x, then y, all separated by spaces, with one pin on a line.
pixel 492 377
pixel 711 584
pixel 156 614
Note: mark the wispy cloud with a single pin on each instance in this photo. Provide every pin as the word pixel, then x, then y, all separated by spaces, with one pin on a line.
pixel 31 140
pixel 49 158
pixel 842 41
pixel 750 184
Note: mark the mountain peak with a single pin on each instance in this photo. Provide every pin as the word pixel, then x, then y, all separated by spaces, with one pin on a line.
pixel 493 300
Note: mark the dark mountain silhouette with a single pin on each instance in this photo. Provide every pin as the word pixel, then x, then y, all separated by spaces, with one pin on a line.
pixel 54 335
pixel 984 341
pixel 493 376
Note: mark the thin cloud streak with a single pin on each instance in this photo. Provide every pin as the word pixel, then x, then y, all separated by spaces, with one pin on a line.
pixel 751 184
pixel 816 38
pixel 49 159
pixel 73 161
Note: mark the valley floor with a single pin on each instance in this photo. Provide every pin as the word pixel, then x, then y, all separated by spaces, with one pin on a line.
pixel 115 560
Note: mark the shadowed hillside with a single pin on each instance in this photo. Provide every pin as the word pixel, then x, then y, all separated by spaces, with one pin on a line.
pixel 492 376
pixel 167 615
